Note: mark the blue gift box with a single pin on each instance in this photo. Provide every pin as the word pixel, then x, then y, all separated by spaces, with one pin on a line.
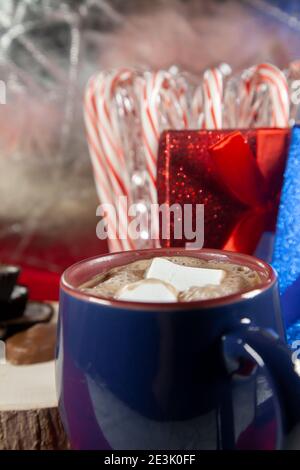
pixel 286 254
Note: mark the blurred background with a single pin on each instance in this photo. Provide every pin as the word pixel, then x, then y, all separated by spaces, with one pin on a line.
pixel 48 50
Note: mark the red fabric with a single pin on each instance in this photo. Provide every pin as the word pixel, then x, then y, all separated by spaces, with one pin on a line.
pixel 43 260
pixel 43 285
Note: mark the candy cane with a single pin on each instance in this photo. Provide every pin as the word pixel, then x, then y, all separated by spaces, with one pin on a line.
pixel 113 155
pixel 212 98
pixel 150 95
pixel 279 94
pixel 259 80
pixel 163 104
pixel 183 105
pixel 109 133
pixel 251 98
pixel 230 115
pixel 197 110
pixel 98 161
pixel 150 126
pixel 174 103
pixel 207 101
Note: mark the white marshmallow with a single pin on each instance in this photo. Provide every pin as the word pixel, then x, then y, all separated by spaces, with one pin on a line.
pixel 148 290
pixel 183 277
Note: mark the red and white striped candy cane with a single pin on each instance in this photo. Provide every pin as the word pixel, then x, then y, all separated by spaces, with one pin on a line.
pixel 174 106
pixel 150 94
pixel 250 96
pixel 261 79
pixel 112 151
pixel 212 98
pixel 197 110
pixel 162 105
pixel 207 102
pixel 279 93
pixel 101 176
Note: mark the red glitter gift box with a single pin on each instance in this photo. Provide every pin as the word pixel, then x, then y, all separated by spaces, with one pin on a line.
pixel 237 175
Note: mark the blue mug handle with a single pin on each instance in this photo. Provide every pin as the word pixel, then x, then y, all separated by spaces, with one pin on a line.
pixel 264 349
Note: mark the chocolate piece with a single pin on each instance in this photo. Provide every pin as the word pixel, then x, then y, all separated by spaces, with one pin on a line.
pixel 15 306
pixel 37 344
pixel 35 312
pixel 8 278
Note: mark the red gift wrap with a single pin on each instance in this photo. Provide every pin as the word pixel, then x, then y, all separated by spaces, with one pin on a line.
pixel 48 258
pixel 237 175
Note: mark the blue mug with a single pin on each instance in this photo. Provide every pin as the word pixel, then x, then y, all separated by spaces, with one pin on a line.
pixel 213 374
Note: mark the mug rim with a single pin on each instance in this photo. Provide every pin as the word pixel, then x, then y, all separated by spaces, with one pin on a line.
pixel 246 294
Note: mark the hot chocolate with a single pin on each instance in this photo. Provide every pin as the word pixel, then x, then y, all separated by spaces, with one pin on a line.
pixel 164 280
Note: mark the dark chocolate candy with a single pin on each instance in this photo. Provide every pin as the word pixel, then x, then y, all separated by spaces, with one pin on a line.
pixel 36 344
pixel 8 278
pixel 15 306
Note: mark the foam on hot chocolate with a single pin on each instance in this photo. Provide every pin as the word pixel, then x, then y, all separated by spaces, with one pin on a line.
pixel 121 282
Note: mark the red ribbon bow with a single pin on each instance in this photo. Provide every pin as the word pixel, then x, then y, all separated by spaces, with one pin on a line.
pixel 255 182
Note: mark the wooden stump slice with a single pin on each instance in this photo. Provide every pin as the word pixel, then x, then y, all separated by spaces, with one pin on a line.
pixel 29 416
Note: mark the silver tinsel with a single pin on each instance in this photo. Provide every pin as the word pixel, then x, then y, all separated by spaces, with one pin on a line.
pixel 48 49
